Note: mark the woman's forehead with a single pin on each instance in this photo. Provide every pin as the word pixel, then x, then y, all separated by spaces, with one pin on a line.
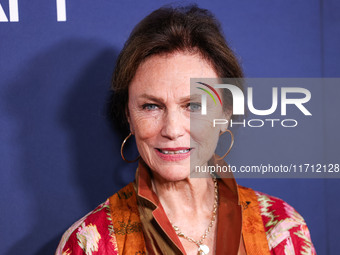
pixel 172 71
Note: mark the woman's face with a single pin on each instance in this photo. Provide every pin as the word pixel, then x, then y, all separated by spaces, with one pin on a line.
pixel 161 111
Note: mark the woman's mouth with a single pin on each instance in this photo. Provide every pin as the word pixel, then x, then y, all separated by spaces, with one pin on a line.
pixel 167 151
pixel 173 154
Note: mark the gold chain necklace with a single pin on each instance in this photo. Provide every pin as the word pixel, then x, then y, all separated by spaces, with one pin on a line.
pixel 202 248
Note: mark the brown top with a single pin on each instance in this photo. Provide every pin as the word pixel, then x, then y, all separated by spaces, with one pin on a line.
pixel 161 238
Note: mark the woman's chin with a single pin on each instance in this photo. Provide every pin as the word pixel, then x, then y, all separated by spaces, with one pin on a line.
pixel 172 174
pixel 172 169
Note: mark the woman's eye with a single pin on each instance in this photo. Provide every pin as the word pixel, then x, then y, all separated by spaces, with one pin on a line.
pixel 194 107
pixel 150 107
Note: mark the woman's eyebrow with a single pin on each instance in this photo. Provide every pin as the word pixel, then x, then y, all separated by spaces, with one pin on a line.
pixel 195 97
pixel 153 98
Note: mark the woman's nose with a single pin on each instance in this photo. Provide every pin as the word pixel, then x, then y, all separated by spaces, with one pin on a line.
pixel 173 125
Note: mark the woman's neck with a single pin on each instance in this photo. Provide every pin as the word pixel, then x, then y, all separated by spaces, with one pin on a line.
pixel 193 197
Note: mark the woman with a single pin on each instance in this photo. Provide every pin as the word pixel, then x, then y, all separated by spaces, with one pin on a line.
pixel 164 211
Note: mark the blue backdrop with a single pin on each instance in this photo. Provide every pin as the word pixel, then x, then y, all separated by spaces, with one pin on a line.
pixel 59 154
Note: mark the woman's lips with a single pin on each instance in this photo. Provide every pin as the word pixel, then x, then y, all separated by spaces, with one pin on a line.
pixel 173 154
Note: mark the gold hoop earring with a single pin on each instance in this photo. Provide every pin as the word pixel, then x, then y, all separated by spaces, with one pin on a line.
pixel 231 145
pixel 121 150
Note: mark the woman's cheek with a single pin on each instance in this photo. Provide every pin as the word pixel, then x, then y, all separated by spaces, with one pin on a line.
pixel 205 136
pixel 147 126
pixel 200 126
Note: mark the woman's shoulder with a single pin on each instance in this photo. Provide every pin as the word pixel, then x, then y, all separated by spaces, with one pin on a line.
pixel 285 228
pixel 92 234
pixel 95 233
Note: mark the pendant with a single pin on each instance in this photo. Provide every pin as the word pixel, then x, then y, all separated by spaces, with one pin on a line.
pixel 203 249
